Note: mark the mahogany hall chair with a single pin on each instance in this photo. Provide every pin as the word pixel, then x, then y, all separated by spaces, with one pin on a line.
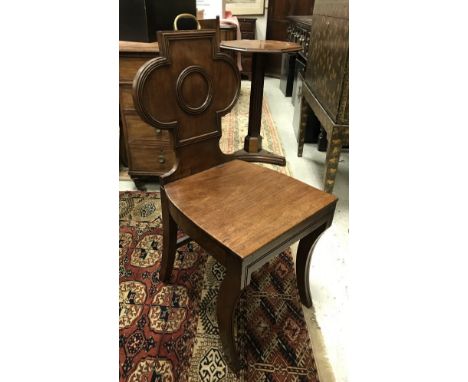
pixel 241 213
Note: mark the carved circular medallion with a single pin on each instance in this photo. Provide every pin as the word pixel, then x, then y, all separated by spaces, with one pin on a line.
pixel 194 90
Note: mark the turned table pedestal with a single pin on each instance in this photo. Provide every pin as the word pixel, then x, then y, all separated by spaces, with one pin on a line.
pixel 252 150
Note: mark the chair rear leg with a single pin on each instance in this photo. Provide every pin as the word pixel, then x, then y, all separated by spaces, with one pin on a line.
pixel 169 240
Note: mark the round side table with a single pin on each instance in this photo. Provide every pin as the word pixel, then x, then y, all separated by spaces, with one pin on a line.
pixel 253 151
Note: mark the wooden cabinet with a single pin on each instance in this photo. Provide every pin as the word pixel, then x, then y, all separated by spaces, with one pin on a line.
pixel 298 31
pixel 327 76
pixel 148 150
pixel 326 88
pixel 247 29
pixel 277 25
pixel 228 32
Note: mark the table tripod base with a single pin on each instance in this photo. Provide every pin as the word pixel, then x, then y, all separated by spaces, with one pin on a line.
pixel 262 156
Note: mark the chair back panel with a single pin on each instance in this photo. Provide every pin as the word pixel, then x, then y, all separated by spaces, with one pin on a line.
pixel 187 90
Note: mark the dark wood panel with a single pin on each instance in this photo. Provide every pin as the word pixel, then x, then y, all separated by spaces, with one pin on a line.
pixel 326 86
pixel 299 32
pixel 247 29
pixel 277 25
pixel 247 25
pixel 138 131
pixel 248 35
pixel 146 160
pixel 139 20
pixel 128 66
pixel 327 75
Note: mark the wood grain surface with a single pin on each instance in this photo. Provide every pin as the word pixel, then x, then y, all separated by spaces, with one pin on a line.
pixel 244 205
pixel 261 46
pixel 241 213
pixel 138 47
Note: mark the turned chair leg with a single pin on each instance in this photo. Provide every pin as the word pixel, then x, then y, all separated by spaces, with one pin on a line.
pixel 335 142
pixel 303 258
pixel 169 240
pixel 228 297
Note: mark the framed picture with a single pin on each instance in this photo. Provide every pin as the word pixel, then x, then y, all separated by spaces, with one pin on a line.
pixel 209 9
pixel 245 7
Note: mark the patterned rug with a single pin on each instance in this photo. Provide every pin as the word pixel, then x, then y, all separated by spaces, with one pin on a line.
pixel 235 125
pixel 168 332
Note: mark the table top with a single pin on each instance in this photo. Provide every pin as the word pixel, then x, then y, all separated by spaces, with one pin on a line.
pixel 261 46
pixel 138 47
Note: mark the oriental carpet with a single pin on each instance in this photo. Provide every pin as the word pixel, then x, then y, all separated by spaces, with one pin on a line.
pixel 168 332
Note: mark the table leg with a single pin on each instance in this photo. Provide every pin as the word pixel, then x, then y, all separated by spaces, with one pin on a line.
pixel 253 151
pixel 253 141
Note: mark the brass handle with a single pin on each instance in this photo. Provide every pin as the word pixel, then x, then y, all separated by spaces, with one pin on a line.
pixel 162 159
pixel 186 16
pixel 158 131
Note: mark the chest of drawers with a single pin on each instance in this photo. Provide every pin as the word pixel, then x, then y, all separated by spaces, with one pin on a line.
pixel 247 29
pixel 148 150
pixel 325 90
pixel 298 31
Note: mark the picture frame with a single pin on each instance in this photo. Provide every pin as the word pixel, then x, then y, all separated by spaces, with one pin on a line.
pixel 209 9
pixel 246 7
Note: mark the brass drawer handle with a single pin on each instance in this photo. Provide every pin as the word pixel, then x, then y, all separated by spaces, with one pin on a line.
pixel 158 131
pixel 162 159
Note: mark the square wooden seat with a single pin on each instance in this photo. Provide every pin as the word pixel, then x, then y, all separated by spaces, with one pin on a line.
pixel 244 206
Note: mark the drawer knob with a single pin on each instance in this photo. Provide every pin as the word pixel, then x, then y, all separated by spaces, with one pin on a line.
pixel 162 159
pixel 158 131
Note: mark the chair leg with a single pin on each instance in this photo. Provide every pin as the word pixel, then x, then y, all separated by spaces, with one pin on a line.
pixel 228 297
pixel 302 126
pixel 169 240
pixel 335 143
pixel 303 258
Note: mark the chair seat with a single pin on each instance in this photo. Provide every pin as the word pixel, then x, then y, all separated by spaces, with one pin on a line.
pixel 245 206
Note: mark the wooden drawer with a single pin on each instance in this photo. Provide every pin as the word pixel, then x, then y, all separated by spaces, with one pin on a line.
pixel 228 34
pixel 128 66
pixel 126 98
pixel 248 35
pixel 150 159
pixel 247 25
pixel 139 131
